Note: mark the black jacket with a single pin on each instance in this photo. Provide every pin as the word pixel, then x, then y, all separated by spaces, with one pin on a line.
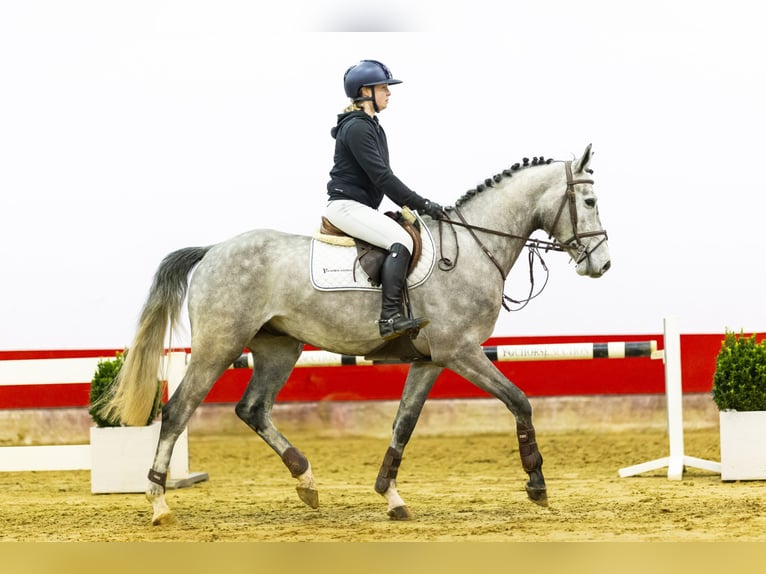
pixel 362 171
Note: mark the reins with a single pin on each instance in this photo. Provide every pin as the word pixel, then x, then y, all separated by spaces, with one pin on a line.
pixel 533 245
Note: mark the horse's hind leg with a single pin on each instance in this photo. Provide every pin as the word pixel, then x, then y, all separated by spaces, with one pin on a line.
pixel 196 383
pixel 420 379
pixel 273 360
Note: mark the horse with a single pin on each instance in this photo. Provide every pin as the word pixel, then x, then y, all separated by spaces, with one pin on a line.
pixel 253 292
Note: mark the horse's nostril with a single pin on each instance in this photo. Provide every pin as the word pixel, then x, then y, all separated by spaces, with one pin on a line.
pixel 606 267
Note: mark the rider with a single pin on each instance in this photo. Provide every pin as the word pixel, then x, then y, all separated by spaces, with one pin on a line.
pixel 359 179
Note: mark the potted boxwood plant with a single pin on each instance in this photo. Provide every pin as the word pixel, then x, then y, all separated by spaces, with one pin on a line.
pixel 120 455
pixel 739 392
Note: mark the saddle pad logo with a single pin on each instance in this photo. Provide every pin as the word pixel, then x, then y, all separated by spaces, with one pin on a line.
pixel 335 268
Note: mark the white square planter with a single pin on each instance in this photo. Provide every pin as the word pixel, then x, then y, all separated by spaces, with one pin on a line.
pixel 120 457
pixel 743 453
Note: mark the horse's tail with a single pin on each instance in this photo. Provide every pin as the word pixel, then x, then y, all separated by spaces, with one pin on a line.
pixel 131 398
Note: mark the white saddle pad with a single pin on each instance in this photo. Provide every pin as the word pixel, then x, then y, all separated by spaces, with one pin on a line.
pixel 335 268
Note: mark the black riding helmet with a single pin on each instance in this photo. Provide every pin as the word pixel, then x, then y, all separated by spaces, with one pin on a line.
pixel 368 73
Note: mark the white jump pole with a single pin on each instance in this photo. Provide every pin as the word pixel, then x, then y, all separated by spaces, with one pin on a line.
pixel 677 459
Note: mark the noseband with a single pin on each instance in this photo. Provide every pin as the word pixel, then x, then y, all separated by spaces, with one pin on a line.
pixel 534 245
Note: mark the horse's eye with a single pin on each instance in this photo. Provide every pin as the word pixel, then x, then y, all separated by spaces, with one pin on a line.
pixel 590 202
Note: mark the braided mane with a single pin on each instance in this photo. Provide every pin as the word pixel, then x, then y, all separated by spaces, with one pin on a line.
pixel 497 178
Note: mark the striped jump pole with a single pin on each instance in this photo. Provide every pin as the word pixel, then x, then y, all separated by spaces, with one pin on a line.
pixel 501 353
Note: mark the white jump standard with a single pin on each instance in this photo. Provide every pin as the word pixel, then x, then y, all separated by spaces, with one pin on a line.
pixel 677 460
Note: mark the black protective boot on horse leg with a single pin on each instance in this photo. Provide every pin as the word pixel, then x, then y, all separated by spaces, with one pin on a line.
pixel 393 275
pixel 532 463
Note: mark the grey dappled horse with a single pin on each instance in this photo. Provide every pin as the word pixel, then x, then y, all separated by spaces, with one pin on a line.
pixel 253 291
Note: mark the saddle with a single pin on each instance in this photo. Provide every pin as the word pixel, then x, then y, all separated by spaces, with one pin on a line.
pixel 371 257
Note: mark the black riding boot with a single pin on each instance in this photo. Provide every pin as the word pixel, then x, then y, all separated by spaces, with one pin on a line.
pixel 393 274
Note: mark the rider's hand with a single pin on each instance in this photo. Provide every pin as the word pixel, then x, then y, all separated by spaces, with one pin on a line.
pixel 433 209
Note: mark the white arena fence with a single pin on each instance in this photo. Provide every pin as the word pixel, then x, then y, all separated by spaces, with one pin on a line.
pixel 70 371
pixel 77 370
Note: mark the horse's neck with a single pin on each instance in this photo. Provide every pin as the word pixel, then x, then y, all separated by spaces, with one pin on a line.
pixel 512 207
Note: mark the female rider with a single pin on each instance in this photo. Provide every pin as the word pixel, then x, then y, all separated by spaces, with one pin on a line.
pixel 359 179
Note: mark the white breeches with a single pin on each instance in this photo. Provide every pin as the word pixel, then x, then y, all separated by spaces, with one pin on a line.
pixel 370 225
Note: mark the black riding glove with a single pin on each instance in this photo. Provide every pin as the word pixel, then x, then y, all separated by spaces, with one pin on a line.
pixel 433 209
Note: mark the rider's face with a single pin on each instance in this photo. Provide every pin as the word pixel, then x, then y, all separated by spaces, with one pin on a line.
pixel 382 93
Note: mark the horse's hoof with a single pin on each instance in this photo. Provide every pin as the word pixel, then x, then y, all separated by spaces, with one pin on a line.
pixel 538 495
pixel 163 519
pixel 400 513
pixel 308 495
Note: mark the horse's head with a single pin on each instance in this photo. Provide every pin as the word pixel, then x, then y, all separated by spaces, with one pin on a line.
pixel 574 221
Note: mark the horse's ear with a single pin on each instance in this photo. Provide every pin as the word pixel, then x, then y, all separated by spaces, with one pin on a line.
pixel 582 164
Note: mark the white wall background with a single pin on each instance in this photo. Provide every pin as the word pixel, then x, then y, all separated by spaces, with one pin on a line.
pixel 130 129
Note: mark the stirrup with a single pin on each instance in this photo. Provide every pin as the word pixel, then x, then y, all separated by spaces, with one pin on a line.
pixel 397 325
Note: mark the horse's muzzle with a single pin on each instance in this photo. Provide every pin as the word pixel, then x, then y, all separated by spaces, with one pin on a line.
pixel 592 268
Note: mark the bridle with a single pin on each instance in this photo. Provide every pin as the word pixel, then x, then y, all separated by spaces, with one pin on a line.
pixel 534 245
pixel 569 198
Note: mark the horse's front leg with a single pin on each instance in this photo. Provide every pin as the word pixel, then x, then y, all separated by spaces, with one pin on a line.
pixel 420 379
pixel 474 365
